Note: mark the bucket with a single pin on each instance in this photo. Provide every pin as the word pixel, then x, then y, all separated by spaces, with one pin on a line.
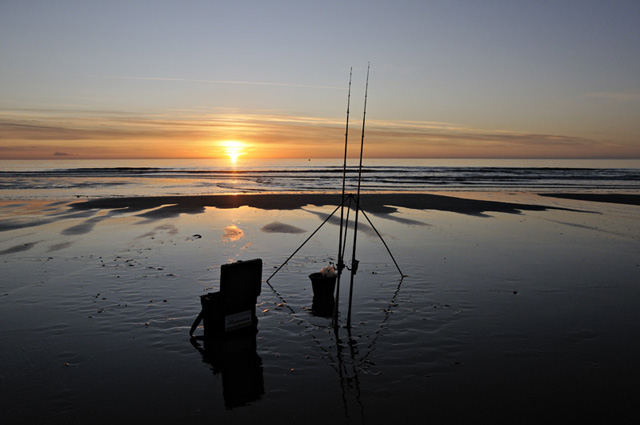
pixel 322 286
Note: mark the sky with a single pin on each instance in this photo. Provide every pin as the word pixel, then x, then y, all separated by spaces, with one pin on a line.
pixel 448 79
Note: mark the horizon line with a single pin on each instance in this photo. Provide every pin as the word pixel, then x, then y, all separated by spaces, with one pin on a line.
pixel 62 157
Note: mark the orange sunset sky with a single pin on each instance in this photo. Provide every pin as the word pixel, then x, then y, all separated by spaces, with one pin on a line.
pixel 466 79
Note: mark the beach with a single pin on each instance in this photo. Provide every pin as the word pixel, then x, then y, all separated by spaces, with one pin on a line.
pixel 511 307
pixel 180 181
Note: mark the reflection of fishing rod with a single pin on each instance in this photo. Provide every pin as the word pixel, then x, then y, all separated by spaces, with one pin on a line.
pixel 347 368
pixel 348 381
pixel 284 302
pixel 387 313
pixel 354 262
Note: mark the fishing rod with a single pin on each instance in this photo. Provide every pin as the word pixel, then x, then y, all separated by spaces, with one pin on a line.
pixel 354 262
pixel 340 264
pixel 344 221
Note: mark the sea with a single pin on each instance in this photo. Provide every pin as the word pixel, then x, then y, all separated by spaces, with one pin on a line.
pixel 81 178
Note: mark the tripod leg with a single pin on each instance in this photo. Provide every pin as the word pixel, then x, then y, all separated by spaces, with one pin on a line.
pixel 383 242
pixel 303 243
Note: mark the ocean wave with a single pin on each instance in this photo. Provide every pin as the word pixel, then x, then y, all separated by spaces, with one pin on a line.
pixel 117 180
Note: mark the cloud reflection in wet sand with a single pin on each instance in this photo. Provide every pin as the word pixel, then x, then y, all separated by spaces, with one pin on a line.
pixel 18 248
pixel 232 233
pixel 277 227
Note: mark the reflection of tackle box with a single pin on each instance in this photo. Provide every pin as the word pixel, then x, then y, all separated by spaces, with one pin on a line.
pixel 233 308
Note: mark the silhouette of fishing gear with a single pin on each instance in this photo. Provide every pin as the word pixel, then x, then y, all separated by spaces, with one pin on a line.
pixel 344 224
pixel 347 368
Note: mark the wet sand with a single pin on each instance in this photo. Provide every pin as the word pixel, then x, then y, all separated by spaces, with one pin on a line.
pixel 515 308
pixel 378 203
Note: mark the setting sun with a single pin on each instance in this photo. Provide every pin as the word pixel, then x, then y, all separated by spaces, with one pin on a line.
pixel 233 149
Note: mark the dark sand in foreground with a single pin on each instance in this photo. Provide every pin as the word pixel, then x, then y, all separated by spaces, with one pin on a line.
pixel 516 308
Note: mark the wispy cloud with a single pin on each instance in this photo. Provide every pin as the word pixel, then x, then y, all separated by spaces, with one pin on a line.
pixel 618 96
pixel 253 83
pixel 196 133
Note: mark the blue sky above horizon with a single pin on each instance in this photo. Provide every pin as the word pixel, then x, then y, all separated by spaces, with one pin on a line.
pixel 448 78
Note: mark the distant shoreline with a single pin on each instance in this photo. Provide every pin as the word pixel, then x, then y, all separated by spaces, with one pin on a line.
pixel 613 198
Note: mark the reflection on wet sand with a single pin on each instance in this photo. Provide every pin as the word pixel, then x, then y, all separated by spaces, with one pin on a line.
pixel 237 360
pixel 18 248
pixel 232 233
pixel 344 355
pixel 322 306
pixel 277 227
